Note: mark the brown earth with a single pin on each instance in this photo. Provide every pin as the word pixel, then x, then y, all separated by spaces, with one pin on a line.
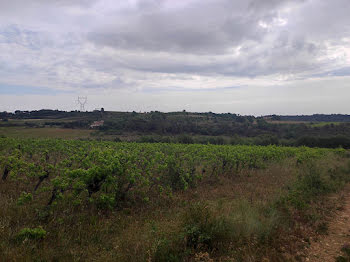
pixel 327 248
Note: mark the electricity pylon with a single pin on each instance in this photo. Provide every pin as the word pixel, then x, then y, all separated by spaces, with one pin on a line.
pixel 82 100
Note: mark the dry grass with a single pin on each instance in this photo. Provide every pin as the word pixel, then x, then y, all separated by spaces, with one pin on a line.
pixel 255 185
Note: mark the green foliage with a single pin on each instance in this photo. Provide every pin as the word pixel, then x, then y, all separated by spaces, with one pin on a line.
pixel 205 230
pixel 169 250
pixel 31 234
pixel 327 142
pixel 24 198
pixel 105 201
pixel 312 183
pixel 112 175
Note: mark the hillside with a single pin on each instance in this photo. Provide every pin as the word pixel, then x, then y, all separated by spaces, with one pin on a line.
pixel 179 127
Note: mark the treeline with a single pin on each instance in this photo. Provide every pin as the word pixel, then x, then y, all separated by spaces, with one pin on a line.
pixel 326 142
pixel 312 118
pixel 202 128
pixel 175 124
pixel 216 125
pixel 264 140
pixel 46 114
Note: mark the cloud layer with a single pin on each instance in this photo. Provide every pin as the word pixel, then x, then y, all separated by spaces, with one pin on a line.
pixel 164 48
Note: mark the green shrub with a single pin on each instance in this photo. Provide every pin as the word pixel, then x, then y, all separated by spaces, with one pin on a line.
pixel 105 201
pixel 37 233
pixel 205 229
pixel 253 222
pixel 24 198
pixel 311 183
pixel 169 251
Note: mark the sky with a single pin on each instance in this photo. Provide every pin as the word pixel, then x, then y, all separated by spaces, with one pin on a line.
pixel 251 57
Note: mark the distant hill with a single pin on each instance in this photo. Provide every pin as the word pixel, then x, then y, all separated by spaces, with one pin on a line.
pixel 317 130
pixel 311 118
pixel 57 114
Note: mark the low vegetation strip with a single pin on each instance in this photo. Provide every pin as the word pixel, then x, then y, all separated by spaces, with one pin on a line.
pixel 70 200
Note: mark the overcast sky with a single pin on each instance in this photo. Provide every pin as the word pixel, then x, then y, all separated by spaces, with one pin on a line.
pixel 240 56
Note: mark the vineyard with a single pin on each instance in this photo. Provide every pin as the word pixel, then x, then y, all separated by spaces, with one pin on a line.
pixel 110 174
pixel 48 180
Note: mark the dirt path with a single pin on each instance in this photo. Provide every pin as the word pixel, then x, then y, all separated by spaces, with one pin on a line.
pixel 328 247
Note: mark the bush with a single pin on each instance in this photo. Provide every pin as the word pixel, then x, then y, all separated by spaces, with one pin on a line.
pixel 201 230
pixel 169 251
pixel 105 202
pixel 24 198
pixel 312 183
pixel 205 231
pixel 31 234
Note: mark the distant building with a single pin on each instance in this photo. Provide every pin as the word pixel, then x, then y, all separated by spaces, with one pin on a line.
pixel 99 110
pixel 97 124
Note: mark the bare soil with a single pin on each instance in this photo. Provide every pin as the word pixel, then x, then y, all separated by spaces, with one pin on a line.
pixel 328 247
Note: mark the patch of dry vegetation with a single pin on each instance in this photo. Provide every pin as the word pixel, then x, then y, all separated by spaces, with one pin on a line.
pixel 254 215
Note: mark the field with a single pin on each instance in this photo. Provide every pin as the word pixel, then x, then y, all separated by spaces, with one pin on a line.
pixel 69 200
pixel 48 132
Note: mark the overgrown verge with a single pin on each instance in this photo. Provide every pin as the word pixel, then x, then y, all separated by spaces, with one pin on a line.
pixel 251 232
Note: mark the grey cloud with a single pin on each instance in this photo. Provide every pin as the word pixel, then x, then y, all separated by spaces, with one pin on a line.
pixel 285 56
pixel 210 31
pixel 323 20
pixel 15 35
pixel 213 29
pixel 17 5
pixel 203 27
